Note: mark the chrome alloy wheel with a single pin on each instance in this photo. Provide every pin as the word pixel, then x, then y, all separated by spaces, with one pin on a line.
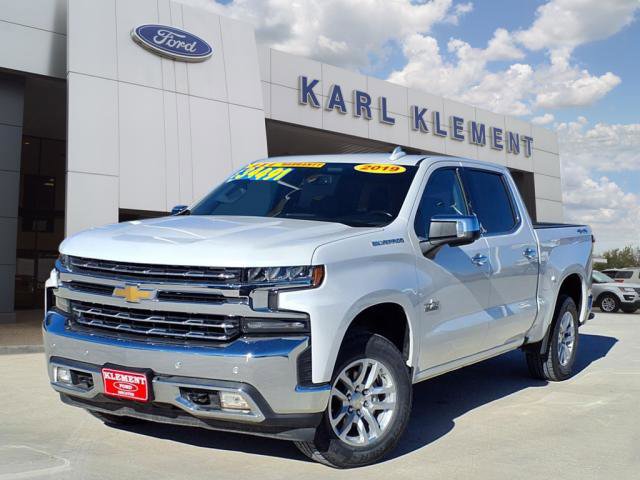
pixel 362 402
pixel 608 304
pixel 566 338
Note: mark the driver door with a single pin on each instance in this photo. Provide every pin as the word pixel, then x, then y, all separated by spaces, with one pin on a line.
pixel 453 282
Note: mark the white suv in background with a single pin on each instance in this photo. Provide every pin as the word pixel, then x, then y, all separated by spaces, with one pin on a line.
pixel 623 275
pixel 610 296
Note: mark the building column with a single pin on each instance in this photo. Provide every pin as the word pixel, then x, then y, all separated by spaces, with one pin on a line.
pixel 11 121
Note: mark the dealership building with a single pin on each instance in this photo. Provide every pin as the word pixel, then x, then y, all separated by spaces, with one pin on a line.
pixel 112 110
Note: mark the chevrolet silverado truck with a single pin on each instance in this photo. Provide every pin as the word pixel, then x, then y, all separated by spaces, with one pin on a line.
pixel 304 296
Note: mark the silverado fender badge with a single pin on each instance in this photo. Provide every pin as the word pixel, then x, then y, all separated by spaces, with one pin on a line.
pixel 391 241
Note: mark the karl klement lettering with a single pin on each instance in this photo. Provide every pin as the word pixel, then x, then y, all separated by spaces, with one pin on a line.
pixel 477 133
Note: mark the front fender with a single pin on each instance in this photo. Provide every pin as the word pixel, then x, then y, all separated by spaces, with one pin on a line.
pixel 357 276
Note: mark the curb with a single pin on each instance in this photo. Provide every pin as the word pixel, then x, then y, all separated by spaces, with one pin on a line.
pixel 14 349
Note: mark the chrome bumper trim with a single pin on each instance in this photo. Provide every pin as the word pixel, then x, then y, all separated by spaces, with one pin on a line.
pixel 268 364
pixel 165 390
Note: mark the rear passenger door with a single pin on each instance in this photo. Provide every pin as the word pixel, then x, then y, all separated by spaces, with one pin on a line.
pixel 513 253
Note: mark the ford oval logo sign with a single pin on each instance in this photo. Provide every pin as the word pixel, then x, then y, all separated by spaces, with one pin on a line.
pixel 172 43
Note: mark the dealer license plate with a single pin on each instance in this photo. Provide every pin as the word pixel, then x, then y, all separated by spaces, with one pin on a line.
pixel 124 384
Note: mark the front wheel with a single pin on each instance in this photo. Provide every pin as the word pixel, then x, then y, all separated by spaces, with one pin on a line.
pixel 609 303
pixel 369 405
pixel 555 363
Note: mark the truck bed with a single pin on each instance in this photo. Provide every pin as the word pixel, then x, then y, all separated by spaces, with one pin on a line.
pixel 542 225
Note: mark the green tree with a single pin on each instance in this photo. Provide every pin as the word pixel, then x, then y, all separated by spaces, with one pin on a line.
pixel 621 257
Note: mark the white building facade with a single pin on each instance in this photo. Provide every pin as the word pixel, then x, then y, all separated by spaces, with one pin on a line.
pixel 120 109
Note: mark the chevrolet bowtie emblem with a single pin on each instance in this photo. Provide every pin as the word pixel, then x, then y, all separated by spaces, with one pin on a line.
pixel 133 294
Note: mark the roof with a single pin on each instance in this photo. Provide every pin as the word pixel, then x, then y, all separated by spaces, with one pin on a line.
pixel 383 158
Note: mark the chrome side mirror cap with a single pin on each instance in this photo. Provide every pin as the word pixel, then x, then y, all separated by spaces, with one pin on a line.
pixel 452 230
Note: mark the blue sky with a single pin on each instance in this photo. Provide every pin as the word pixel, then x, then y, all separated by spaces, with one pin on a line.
pixel 568 65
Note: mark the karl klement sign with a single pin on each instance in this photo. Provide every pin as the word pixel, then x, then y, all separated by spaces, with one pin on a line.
pixel 477 132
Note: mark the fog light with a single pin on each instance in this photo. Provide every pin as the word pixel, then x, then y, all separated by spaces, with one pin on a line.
pixel 63 304
pixel 233 401
pixel 63 375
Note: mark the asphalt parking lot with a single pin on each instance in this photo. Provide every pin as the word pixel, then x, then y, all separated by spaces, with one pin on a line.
pixel 486 421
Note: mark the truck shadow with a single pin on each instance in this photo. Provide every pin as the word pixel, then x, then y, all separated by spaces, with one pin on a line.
pixel 437 403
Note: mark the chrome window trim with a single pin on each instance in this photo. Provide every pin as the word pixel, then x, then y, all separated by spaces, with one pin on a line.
pixel 512 201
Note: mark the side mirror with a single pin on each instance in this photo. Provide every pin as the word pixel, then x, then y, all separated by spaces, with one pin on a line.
pixel 178 209
pixel 453 230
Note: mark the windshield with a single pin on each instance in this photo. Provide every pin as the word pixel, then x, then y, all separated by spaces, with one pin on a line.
pixel 359 195
pixel 600 277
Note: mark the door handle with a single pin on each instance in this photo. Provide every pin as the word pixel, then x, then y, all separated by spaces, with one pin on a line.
pixel 479 259
pixel 530 253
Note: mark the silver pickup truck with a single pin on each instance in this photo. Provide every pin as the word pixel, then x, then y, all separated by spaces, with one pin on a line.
pixel 304 296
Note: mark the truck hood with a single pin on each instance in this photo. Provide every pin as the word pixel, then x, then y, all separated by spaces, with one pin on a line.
pixel 209 241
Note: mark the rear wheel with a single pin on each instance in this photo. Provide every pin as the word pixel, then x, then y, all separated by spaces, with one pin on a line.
pixel 555 363
pixel 117 420
pixel 609 303
pixel 369 405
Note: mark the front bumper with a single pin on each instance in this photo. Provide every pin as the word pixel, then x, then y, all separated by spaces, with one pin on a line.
pixel 263 370
pixel 631 301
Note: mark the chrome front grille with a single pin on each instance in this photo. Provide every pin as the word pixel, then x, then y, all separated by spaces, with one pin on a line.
pixel 154 324
pixel 156 273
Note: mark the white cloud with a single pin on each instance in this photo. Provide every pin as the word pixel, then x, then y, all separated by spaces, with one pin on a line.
pixel 545 119
pixel 350 34
pixel 467 78
pixel 521 88
pixel 603 147
pixel 592 197
pixel 562 85
pixel 612 213
pixel 569 23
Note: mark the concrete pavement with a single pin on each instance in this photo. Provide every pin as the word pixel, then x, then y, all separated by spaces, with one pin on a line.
pixel 486 421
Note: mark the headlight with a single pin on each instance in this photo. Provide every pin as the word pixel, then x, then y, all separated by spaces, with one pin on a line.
pixel 303 275
pixel 627 289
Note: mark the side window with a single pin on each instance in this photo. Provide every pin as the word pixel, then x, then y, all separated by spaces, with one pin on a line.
pixel 442 196
pixel 624 274
pixel 490 200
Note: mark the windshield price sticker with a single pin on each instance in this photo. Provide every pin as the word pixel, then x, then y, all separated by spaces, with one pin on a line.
pixel 261 172
pixel 378 168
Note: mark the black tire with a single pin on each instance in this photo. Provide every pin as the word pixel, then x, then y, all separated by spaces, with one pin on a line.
pixel 115 420
pixel 546 365
pixel 330 450
pixel 629 309
pixel 609 298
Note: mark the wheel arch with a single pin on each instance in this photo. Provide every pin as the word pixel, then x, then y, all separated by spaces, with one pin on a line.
pixel 574 286
pixel 373 316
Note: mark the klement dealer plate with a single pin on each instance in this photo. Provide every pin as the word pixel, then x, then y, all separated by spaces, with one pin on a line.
pixel 123 384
